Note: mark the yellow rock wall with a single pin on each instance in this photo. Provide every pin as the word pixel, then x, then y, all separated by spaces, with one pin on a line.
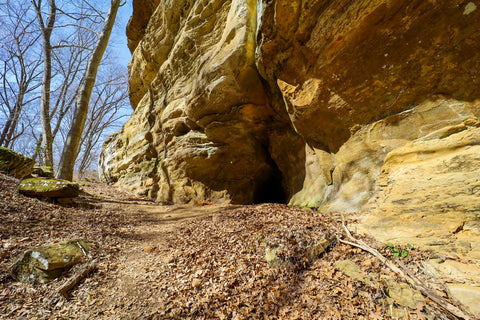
pixel 312 102
pixel 201 115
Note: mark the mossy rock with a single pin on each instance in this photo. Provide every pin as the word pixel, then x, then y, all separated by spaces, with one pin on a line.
pixel 287 255
pixel 353 270
pixel 41 171
pixel 45 263
pixel 15 164
pixel 48 188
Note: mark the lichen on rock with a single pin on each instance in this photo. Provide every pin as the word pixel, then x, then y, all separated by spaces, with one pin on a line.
pixel 48 188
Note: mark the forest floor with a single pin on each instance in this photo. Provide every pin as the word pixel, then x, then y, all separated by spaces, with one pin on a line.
pixel 192 262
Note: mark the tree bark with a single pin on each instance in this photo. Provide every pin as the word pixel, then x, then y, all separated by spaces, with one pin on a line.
pixel 47 137
pixel 12 121
pixel 70 150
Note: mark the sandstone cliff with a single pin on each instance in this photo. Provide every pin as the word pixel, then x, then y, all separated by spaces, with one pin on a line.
pixel 367 106
pixel 351 105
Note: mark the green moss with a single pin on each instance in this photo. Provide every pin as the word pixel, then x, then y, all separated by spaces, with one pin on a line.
pixel 45 263
pixel 48 187
pixel 14 163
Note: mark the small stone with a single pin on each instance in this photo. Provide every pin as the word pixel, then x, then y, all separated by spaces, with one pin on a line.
pixel 352 270
pixel 403 294
pixel 469 8
pixel 149 248
pixel 314 251
pixel 168 259
pixel 272 258
pixel 196 283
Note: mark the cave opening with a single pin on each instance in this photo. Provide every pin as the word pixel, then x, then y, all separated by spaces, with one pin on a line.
pixel 270 190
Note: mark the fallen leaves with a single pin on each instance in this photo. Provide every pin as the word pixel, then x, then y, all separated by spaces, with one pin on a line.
pixel 204 268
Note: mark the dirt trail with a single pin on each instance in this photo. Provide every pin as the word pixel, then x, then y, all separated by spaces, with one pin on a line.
pixel 188 262
pixel 154 219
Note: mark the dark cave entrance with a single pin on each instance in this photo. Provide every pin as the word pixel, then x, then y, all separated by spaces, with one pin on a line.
pixel 270 190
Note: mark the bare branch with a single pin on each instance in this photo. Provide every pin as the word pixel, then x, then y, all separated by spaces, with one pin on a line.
pixel 413 281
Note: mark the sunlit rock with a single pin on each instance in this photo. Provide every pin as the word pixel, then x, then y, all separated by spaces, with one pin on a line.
pixel 48 188
pixel 45 263
pixel 14 163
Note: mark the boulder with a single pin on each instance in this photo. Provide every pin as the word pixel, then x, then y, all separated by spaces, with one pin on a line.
pixel 40 171
pixel 48 188
pixel 15 164
pixel 45 263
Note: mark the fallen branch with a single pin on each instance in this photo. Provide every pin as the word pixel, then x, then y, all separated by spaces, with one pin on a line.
pixel 407 276
pixel 78 276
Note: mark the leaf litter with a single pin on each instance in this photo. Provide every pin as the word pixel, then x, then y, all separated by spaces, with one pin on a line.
pixel 152 266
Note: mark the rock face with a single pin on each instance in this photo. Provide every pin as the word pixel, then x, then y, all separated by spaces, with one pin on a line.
pixel 348 105
pixel 199 130
pixel 368 106
pixel 15 164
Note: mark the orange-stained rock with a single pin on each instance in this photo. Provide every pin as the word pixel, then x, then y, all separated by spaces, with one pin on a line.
pixel 296 100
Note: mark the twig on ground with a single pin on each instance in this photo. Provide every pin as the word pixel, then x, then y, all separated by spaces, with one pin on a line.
pixel 76 278
pixel 407 276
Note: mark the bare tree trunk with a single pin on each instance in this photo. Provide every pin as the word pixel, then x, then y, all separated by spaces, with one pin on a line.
pixel 12 121
pixel 18 74
pixel 47 137
pixel 70 149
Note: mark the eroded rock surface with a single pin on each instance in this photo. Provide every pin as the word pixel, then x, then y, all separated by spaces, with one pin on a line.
pixel 199 130
pixel 277 100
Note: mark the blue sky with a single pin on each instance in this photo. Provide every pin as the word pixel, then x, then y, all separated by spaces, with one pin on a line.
pixel 118 37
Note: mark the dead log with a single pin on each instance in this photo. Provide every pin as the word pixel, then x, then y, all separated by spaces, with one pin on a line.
pixel 78 276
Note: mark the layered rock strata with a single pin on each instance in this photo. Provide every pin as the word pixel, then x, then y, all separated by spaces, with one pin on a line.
pixel 339 103
pixel 199 130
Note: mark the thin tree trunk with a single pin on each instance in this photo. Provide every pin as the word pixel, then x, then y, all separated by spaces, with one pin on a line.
pixel 70 150
pixel 10 126
pixel 12 121
pixel 47 138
